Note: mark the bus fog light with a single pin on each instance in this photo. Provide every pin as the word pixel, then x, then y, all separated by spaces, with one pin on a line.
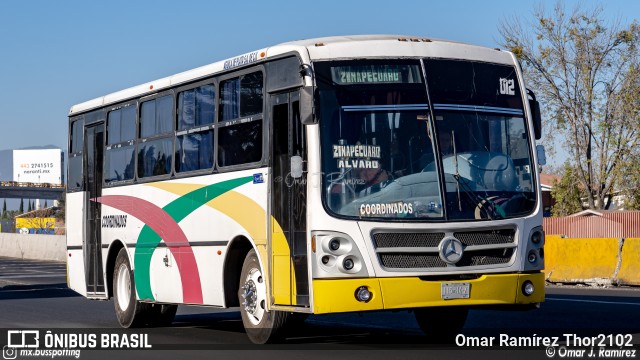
pixel 528 288
pixel 348 264
pixel 363 294
pixel 532 257
pixel 325 259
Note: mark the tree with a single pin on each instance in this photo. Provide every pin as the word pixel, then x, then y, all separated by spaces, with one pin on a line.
pixel 4 209
pixel 21 209
pixel 581 69
pixel 566 193
pixel 62 204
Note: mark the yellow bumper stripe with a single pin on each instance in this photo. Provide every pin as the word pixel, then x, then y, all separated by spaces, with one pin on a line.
pixel 338 295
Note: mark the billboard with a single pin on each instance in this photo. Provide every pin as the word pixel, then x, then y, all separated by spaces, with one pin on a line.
pixel 36 226
pixel 38 166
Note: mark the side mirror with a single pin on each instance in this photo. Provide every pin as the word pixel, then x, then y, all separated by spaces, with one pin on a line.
pixel 296 167
pixel 306 106
pixel 542 155
pixel 535 114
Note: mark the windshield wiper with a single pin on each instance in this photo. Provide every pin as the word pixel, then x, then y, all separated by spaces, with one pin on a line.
pixel 472 196
pixel 455 162
pixel 476 201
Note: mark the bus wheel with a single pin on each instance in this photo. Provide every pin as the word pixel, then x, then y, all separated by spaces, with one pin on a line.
pixel 129 311
pixel 441 325
pixel 262 326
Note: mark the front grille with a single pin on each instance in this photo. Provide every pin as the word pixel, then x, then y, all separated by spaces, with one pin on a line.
pixel 491 237
pixel 418 250
pixel 411 261
pixel 392 240
pixel 486 257
pixel 428 261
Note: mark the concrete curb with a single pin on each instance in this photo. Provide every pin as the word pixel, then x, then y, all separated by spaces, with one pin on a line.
pixel 601 261
pixel 37 247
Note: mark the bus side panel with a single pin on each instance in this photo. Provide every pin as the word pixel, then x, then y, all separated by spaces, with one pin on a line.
pixel 75 241
pixel 240 213
pixel 156 255
pixel 210 211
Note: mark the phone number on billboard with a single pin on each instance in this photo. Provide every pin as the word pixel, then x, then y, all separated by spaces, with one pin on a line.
pixel 37 166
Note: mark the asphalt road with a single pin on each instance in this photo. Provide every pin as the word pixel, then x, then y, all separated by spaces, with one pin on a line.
pixel 33 295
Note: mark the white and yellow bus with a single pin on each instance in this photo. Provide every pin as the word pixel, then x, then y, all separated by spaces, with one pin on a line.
pixel 319 176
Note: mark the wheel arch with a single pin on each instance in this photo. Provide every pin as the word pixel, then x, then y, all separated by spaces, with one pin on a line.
pixel 236 252
pixel 112 255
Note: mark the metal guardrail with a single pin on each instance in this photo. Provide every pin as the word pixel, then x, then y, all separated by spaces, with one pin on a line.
pixel 30 184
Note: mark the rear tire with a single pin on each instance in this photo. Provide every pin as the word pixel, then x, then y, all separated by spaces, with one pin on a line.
pixel 130 312
pixel 162 314
pixel 262 326
pixel 441 325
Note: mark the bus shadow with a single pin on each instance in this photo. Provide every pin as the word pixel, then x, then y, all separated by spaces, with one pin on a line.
pixel 306 333
pixel 15 292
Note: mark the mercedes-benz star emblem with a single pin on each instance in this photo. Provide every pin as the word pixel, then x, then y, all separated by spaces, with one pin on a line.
pixel 451 250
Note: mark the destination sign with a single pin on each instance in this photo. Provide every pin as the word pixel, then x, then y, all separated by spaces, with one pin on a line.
pixel 241 60
pixel 375 73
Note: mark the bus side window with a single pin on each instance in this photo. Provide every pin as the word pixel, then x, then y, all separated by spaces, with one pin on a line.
pixel 240 144
pixel 194 143
pixel 74 180
pixel 121 131
pixel 155 151
pixel 240 126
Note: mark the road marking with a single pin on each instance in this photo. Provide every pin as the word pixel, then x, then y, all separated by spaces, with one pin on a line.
pixel 30 276
pixel 318 337
pixel 31 290
pixel 595 301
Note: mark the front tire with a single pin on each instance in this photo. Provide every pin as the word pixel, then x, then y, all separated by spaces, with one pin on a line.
pixel 441 325
pixel 130 312
pixel 262 326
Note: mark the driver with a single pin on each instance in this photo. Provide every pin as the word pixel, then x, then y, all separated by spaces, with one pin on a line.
pixel 446 143
pixel 374 179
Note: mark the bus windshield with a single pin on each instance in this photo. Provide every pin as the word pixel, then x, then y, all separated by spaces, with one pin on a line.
pixel 391 152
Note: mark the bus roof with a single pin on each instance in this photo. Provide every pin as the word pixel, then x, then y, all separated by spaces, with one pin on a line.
pixel 336 47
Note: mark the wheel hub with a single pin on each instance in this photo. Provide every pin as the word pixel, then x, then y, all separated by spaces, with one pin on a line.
pixel 250 297
pixel 253 294
pixel 123 287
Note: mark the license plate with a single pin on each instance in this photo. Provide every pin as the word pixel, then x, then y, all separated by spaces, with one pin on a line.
pixel 455 291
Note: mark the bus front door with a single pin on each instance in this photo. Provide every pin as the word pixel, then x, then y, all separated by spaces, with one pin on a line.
pixel 289 271
pixel 92 244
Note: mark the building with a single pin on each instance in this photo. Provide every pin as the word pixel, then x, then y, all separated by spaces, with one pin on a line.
pixel 546 184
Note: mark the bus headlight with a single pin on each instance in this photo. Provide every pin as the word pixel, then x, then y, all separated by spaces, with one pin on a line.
pixel 337 255
pixel 348 264
pixel 535 250
pixel 537 237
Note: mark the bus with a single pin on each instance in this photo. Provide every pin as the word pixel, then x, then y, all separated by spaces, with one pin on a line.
pixel 330 175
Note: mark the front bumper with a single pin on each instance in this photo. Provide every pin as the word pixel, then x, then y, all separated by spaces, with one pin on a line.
pixel 338 295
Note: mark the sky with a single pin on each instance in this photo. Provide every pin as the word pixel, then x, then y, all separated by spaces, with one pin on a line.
pixel 55 54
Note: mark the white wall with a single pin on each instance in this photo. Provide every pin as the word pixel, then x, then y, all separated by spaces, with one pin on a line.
pixel 39 247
